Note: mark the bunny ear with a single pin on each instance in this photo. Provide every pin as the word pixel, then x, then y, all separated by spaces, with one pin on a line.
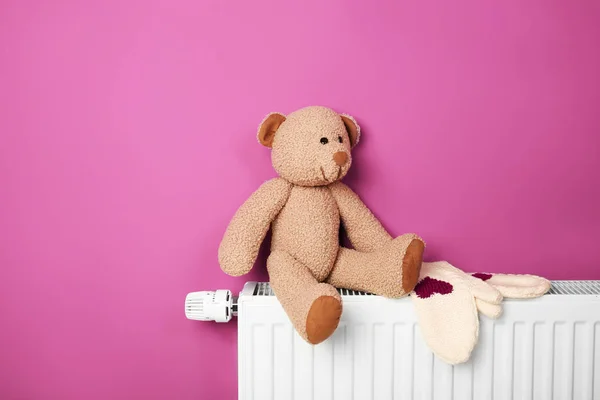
pixel 516 286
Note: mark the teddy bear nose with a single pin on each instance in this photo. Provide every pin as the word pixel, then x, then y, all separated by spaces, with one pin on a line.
pixel 340 158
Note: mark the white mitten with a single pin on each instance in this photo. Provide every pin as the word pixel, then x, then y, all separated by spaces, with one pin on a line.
pixel 516 286
pixel 447 301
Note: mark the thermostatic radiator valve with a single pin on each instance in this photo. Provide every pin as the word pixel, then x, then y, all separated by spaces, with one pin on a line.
pixel 218 306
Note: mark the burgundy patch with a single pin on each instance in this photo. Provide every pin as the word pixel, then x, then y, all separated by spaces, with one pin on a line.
pixel 482 276
pixel 427 287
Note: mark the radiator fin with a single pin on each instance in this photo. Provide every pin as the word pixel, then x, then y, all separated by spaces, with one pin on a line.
pixel 575 287
pixel 557 288
pixel 540 350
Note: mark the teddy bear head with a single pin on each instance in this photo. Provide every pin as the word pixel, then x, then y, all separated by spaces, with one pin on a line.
pixel 311 146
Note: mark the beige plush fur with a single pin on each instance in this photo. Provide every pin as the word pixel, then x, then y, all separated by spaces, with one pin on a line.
pixel 311 152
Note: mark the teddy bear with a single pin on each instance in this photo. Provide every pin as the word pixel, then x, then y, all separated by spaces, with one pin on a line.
pixel 304 207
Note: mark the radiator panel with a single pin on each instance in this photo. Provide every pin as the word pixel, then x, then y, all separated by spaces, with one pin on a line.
pixel 547 348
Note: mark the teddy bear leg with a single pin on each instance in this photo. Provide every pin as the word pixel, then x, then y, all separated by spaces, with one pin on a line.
pixel 392 271
pixel 314 308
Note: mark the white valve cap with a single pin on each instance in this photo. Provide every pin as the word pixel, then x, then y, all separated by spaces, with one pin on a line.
pixel 209 306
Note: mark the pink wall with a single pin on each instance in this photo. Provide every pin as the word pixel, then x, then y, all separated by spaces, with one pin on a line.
pixel 128 141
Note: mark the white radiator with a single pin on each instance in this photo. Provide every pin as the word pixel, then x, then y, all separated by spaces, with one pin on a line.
pixel 546 349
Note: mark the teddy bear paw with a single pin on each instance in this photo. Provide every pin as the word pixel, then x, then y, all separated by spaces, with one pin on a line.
pixel 323 318
pixel 411 264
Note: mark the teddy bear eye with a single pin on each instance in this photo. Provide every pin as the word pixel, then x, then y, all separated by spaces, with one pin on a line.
pixel 340 139
pixel 324 140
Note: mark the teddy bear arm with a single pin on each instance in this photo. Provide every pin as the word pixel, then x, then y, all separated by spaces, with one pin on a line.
pixel 245 233
pixel 364 230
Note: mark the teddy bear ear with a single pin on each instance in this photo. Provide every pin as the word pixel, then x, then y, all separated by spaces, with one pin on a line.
pixel 268 127
pixel 353 129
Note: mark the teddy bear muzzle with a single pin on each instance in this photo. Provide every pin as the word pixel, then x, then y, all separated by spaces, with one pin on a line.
pixel 340 158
